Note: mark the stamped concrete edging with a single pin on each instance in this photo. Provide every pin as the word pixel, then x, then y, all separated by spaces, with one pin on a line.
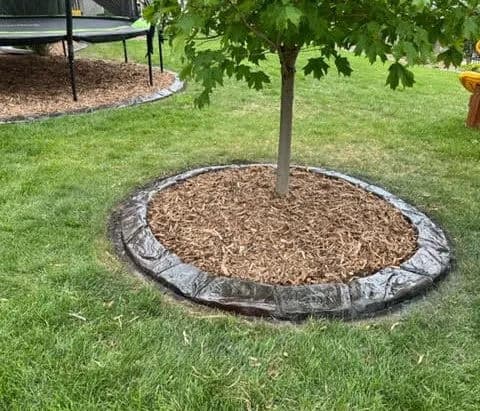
pixel 359 298
pixel 176 86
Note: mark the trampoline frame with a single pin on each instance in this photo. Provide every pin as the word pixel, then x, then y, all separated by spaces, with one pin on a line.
pixel 69 37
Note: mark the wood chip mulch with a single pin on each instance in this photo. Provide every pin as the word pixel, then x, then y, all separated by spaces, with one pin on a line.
pixel 31 85
pixel 327 230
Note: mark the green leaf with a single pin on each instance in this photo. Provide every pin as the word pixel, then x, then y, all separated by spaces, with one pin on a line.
pixel 316 66
pixel 292 14
pixel 257 79
pixel 187 22
pixel 451 56
pixel 343 66
pixel 282 15
pixel 397 73
pixel 470 28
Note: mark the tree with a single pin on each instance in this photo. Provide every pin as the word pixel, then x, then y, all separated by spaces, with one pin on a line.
pixel 403 31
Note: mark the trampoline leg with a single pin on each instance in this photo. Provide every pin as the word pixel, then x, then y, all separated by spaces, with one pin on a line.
pixel 125 51
pixel 160 47
pixel 149 56
pixel 71 62
pixel 150 72
pixel 71 52
pixel 64 48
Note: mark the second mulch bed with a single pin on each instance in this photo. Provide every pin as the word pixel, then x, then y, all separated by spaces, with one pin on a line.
pixel 327 230
pixel 40 86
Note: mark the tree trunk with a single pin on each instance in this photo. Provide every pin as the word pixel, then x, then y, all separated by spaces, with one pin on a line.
pixel 288 58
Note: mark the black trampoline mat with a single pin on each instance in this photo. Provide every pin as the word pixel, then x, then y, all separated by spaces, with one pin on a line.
pixel 54 29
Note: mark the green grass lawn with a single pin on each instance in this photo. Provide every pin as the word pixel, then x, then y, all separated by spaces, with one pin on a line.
pixel 78 331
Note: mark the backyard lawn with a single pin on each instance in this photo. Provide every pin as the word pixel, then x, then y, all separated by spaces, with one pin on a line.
pixel 78 331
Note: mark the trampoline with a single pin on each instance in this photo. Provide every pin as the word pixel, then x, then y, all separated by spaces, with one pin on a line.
pixel 24 30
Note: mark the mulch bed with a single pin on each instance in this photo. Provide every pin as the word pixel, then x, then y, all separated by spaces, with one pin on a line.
pixel 326 230
pixel 31 85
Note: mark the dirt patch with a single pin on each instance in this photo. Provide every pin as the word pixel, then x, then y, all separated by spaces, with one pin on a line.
pixel 327 230
pixel 35 86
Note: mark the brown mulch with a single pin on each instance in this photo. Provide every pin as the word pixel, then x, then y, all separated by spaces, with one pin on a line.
pixel 327 230
pixel 31 85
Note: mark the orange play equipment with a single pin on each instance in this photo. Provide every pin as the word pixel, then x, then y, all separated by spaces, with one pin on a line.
pixel 471 81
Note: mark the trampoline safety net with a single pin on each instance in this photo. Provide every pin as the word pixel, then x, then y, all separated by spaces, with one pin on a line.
pixel 121 8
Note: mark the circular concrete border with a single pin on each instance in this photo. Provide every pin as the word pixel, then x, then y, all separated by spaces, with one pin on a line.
pixel 176 86
pixel 359 298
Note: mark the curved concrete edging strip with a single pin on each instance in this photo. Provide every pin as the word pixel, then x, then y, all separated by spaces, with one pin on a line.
pixel 359 298
pixel 176 86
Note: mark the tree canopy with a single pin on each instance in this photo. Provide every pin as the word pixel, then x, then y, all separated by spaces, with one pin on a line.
pixel 403 30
